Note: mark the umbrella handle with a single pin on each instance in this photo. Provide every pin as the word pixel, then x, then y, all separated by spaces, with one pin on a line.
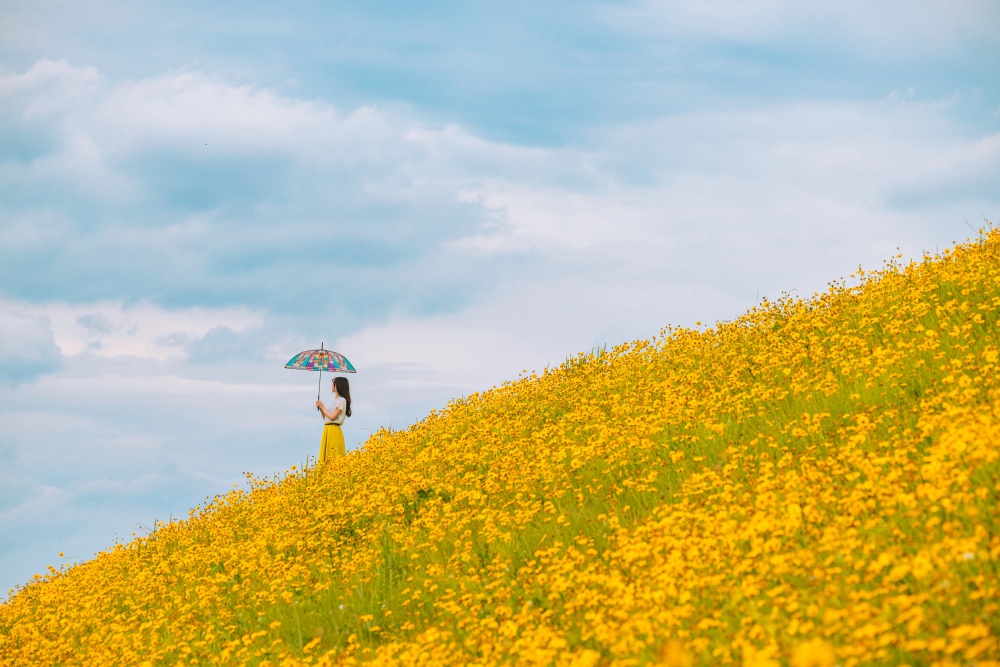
pixel 319 384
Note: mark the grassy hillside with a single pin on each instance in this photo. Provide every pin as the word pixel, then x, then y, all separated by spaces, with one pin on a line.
pixel 815 483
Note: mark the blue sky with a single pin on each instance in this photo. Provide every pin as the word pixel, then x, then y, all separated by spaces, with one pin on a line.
pixel 449 194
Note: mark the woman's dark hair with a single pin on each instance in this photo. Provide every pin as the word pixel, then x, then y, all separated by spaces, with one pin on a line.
pixel 343 389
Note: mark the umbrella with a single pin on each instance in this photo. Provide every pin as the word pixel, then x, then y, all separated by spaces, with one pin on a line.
pixel 321 360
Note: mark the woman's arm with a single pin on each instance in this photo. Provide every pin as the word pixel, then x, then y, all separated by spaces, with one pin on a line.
pixel 329 416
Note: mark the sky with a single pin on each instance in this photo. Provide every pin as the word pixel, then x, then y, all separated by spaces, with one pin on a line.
pixel 451 194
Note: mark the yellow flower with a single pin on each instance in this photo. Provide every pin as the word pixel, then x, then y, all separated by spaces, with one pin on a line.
pixel 813 653
pixel 753 657
pixel 672 654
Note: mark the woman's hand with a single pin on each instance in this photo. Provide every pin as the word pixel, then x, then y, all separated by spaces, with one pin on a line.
pixel 321 407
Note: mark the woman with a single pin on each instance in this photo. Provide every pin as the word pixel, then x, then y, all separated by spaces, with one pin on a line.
pixel 332 443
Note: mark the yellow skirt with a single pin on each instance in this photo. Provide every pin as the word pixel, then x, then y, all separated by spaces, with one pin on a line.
pixel 332 443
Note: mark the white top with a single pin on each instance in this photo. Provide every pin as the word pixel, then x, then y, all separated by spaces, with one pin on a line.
pixel 339 402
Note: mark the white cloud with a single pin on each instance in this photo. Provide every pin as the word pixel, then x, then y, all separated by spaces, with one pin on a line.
pixel 188 111
pixel 27 346
pixel 892 30
pixel 443 353
pixel 396 214
pixel 779 197
pixel 51 88
pixel 114 329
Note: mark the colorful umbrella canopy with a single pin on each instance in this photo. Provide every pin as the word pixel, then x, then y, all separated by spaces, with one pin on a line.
pixel 321 360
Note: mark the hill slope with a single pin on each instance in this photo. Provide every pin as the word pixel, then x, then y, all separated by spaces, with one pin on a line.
pixel 815 482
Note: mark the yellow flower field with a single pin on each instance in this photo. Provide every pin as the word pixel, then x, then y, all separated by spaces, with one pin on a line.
pixel 814 483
